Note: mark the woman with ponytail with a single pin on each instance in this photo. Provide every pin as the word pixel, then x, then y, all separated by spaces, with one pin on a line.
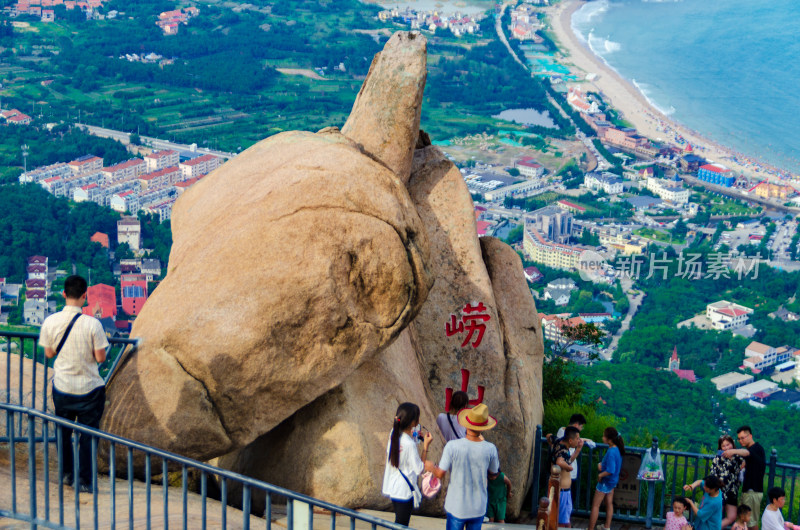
pixel 608 477
pixel 403 463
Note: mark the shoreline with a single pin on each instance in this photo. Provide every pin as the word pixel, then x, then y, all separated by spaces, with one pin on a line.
pixel 634 107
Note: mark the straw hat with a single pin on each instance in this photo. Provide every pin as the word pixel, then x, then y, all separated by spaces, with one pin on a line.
pixel 477 418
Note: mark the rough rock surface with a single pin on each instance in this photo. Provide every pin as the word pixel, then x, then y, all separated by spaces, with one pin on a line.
pixel 507 361
pixel 387 110
pixel 317 272
pixel 335 447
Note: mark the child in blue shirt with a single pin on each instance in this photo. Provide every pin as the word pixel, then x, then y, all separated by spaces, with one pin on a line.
pixel 707 516
pixel 608 477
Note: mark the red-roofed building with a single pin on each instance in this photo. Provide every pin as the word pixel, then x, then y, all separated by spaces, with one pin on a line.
pixel 675 366
pixel 86 164
pixel 37 294
pixel 162 177
pixel 129 169
pixel 101 301
pixel 686 375
pixel 201 165
pixel 161 159
pixel 19 119
pixel 726 315
pixel 180 187
pixel 134 292
pixel 571 206
pixel 483 226
pixel 532 274
pixel 100 237
pixel 552 325
pixel 529 167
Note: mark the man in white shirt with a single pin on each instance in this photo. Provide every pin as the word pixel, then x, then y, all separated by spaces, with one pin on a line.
pixel 773 518
pixel 472 461
pixel 79 393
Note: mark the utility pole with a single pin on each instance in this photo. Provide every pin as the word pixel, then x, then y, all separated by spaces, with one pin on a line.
pixel 25 157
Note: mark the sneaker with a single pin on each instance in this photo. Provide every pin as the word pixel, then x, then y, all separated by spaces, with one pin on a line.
pixel 67 480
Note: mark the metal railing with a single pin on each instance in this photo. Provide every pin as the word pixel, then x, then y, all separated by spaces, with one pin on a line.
pixel 133 478
pixel 28 373
pixel 654 499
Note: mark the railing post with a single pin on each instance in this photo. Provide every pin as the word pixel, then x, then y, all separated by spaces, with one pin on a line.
pixel 537 457
pixel 651 489
pixel 773 464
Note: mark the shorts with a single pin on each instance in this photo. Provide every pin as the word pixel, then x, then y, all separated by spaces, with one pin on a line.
pixel 732 498
pixel 564 506
pixel 496 509
pixel 753 500
pixel 602 487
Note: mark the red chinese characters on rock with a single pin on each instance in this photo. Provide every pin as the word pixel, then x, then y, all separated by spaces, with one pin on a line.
pixel 448 392
pixel 472 322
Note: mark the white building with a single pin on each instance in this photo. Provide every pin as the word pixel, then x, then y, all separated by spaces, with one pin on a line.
pixel 668 191
pixel 124 171
pixel 127 201
pixel 727 315
pixel 759 356
pixel 35 311
pixel 201 165
pixel 529 167
pixel 728 383
pixel 41 173
pixel 161 159
pixel 608 182
pixel 747 392
pixel 129 231
pixel 521 189
pixel 86 164
pixel 162 177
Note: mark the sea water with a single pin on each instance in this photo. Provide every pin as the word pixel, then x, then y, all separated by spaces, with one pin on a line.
pixel 725 68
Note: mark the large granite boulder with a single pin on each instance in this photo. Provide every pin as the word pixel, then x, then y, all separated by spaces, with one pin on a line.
pixel 292 265
pixel 335 448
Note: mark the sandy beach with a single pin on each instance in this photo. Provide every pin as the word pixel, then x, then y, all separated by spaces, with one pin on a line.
pixel 632 105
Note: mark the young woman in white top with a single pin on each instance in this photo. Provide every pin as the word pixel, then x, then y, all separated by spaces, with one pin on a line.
pixel 448 421
pixel 403 462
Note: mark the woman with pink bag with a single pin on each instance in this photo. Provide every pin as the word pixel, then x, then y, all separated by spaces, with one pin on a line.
pixel 404 465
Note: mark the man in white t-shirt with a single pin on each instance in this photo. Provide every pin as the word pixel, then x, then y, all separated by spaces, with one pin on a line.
pixel 79 343
pixel 471 461
pixel 773 518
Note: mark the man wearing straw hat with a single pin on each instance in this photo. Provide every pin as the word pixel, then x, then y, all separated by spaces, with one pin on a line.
pixel 471 461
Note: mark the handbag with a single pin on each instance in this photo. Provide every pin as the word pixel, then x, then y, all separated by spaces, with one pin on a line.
pixel 415 493
pixel 430 485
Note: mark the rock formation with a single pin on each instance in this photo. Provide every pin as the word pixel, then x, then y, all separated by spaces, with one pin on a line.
pixel 317 281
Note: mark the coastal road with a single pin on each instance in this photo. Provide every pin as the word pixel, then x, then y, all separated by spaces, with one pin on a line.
pixel 156 143
pixel 498 26
pixel 635 302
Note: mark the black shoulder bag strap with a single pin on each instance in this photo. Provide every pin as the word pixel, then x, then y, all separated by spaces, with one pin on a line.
pixel 66 333
pixel 452 427
pixel 407 481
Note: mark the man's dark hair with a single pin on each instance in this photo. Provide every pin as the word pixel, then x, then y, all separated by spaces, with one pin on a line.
pixel 578 418
pixel 713 482
pixel 75 287
pixel 744 428
pixel 571 432
pixel 775 493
